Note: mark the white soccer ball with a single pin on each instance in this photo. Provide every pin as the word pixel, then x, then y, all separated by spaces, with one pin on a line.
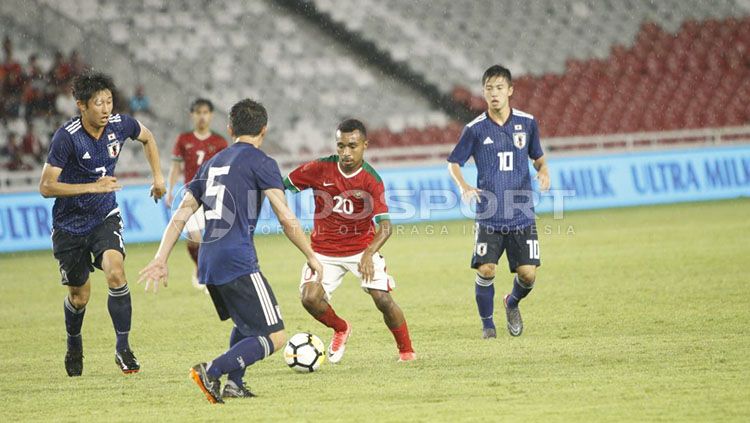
pixel 304 352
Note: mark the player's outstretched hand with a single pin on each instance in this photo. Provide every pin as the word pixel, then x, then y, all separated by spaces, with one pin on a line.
pixel 156 271
pixel 543 178
pixel 158 189
pixel 366 268
pixel 107 184
pixel 317 269
pixel 469 193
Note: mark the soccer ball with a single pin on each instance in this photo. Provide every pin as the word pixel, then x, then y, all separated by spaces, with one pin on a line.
pixel 304 352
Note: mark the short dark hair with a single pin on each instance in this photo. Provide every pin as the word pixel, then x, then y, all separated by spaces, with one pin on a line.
pixel 89 83
pixel 248 117
pixel 351 125
pixel 201 102
pixel 497 70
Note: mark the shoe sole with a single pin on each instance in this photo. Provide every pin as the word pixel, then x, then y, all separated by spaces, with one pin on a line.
pixel 126 371
pixel 198 381
pixel 343 345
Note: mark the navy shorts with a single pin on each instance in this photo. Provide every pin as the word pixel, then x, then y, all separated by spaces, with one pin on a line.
pixel 250 303
pixel 77 255
pixel 521 246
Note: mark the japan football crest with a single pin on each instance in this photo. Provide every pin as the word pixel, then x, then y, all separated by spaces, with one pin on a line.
pixel 114 149
pixel 519 139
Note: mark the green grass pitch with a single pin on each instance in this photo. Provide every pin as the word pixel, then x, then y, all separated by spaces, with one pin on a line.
pixel 638 314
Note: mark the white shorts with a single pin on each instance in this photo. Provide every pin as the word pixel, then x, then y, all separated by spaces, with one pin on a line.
pixel 197 222
pixel 334 269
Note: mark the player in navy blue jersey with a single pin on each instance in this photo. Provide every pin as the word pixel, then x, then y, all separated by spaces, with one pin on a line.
pixel 230 187
pixel 86 223
pixel 502 141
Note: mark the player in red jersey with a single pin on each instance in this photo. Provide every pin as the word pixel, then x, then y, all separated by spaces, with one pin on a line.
pixel 349 196
pixel 190 151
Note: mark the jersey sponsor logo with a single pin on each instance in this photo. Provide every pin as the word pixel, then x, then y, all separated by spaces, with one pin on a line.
pixel 519 139
pixel 358 195
pixel 115 118
pixel 518 127
pixel 328 184
pixel 114 149
pixel 86 156
pixel 488 140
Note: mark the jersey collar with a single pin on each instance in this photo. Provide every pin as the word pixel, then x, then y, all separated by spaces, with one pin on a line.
pixel 510 116
pixel 338 166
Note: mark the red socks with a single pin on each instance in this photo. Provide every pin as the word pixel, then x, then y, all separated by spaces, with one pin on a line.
pixel 193 250
pixel 403 342
pixel 330 319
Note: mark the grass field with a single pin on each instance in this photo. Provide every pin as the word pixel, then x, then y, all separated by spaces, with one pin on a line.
pixel 640 314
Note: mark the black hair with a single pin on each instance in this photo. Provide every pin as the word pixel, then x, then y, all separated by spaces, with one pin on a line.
pixel 351 125
pixel 247 117
pixel 89 83
pixel 497 70
pixel 201 102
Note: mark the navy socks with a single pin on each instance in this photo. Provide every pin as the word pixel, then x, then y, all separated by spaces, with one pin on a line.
pixel 120 310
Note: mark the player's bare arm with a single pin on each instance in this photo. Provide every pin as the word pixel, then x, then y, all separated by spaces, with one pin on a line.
pixel 293 230
pixel 366 267
pixel 468 192
pixel 542 173
pixel 51 187
pixel 175 171
pixel 158 271
pixel 146 137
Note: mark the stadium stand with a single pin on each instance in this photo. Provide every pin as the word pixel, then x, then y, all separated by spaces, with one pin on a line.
pixel 534 37
pixel 232 50
pixel 598 75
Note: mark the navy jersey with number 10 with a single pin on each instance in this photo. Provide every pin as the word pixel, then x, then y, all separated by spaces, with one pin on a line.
pixel 502 153
pixel 230 187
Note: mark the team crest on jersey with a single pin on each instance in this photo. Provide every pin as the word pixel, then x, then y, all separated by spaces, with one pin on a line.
pixel 114 149
pixel 519 139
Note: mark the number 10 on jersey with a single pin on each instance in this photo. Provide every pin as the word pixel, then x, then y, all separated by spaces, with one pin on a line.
pixel 506 160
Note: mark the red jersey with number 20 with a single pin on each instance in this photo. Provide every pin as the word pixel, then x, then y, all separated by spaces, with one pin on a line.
pixel 194 152
pixel 345 205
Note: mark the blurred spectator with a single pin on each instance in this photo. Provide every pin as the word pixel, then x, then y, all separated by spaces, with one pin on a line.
pixel 61 71
pixel 32 146
pixel 11 87
pixel 140 103
pixel 29 93
pixel 34 94
pixel 12 151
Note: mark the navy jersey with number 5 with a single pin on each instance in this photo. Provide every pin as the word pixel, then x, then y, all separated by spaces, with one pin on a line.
pixel 501 154
pixel 83 160
pixel 230 187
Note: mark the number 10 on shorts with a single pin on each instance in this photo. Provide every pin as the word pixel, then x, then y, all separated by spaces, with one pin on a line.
pixel 533 248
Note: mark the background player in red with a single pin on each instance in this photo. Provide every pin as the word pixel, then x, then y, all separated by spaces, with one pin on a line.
pixel 190 151
pixel 349 196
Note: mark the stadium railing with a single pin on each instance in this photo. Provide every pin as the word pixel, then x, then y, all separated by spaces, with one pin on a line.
pixel 139 173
